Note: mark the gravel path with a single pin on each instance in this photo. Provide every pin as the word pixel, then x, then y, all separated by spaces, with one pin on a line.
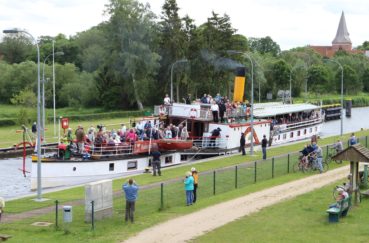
pixel 183 229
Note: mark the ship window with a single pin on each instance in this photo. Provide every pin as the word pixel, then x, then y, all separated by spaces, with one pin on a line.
pixel 298 133
pixel 316 128
pixel 111 166
pixel 304 131
pixel 132 165
pixel 311 130
pixel 284 136
pixel 150 161
pixel 279 137
pixel 291 135
pixel 183 157
pixel 169 159
pixel 74 168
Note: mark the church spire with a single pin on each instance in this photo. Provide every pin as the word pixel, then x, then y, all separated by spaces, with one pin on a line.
pixel 342 35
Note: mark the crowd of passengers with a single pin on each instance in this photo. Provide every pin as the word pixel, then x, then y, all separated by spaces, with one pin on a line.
pixel 225 110
pixel 221 107
pixel 142 130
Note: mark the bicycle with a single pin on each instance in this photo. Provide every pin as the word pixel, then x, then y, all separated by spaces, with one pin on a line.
pixel 330 153
pixel 300 165
pixel 308 164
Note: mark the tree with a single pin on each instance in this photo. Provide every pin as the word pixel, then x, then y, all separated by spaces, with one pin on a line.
pixel 173 41
pixel 25 98
pixel 132 62
pixel 364 46
pixel 365 79
pixel 281 75
pixel 264 45
pixel 15 48
pixel 318 79
pixel 351 82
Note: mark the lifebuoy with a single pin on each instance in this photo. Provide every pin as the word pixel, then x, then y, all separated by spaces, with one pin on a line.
pixel 193 113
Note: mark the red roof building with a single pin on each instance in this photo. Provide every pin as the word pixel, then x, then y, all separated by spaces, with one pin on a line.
pixel 341 41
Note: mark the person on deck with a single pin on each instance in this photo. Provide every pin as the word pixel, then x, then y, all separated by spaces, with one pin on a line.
pixel 215 110
pixel 80 137
pixel 214 135
pixel 222 110
pixel 167 100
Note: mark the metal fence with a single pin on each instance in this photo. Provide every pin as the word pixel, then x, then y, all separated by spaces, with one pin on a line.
pixel 159 196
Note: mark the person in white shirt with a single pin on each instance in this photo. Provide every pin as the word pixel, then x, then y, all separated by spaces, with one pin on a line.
pixel 167 100
pixel 215 110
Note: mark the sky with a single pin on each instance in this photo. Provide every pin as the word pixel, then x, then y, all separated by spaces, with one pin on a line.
pixel 290 23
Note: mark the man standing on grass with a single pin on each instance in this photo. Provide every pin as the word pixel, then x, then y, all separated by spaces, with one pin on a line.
pixel 264 143
pixel 242 144
pixel 130 190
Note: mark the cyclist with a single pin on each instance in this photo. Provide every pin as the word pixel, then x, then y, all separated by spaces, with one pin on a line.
pixel 338 146
pixel 318 162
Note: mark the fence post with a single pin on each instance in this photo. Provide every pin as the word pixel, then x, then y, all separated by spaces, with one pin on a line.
pixel 255 172
pixel 366 141
pixel 162 196
pixel 273 167
pixel 288 163
pixel 214 182
pixel 366 176
pixel 235 182
pixel 326 152
pixel 56 213
pixel 92 215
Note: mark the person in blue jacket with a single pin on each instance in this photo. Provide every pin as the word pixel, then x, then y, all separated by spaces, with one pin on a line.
pixel 189 186
pixel 130 190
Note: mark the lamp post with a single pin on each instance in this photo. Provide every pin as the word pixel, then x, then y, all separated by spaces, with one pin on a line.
pixel 39 189
pixel 340 66
pixel 54 104
pixel 59 53
pixel 171 76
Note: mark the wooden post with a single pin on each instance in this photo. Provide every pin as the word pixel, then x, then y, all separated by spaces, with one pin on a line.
pixel 365 176
pixel 355 172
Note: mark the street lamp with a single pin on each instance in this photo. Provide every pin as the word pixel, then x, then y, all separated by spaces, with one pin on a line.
pixel 245 54
pixel 171 76
pixel 291 70
pixel 59 53
pixel 39 189
pixel 340 66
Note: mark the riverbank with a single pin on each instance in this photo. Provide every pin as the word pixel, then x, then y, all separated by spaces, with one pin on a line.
pixel 148 213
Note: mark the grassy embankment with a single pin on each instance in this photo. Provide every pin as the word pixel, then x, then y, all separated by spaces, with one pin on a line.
pixel 302 219
pixel 358 100
pixel 111 230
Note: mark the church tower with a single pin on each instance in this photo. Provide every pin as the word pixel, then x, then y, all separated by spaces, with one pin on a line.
pixel 342 40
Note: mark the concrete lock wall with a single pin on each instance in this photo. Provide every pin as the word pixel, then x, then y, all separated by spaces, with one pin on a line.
pixel 101 192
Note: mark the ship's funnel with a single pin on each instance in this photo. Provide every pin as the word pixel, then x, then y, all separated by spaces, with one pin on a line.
pixel 239 85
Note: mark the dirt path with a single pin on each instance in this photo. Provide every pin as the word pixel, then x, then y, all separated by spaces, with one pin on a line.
pixel 182 229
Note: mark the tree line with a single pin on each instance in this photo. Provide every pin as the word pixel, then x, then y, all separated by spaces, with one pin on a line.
pixel 129 61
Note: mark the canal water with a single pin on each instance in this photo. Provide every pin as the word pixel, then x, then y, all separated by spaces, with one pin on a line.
pixel 14 184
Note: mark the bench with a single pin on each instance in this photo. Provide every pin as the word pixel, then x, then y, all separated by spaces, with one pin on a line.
pixel 335 213
pixel 4 237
